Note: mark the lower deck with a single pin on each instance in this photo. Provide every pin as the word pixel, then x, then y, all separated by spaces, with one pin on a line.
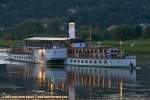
pixel 127 61
pixel 21 57
pixel 102 62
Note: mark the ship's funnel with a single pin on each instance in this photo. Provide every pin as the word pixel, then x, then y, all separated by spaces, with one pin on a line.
pixel 72 30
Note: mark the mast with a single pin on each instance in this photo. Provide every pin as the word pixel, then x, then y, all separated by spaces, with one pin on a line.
pixel 90 34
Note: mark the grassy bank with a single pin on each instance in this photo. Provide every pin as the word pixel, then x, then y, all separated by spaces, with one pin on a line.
pixel 8 43
pixel 140 47
pixel 137 46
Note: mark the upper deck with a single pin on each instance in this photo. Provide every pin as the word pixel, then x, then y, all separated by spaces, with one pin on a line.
pixel 45 42
pixel 94 52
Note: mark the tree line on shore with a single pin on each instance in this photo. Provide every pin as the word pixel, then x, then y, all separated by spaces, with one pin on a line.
pixel 26 18
pixel 58 28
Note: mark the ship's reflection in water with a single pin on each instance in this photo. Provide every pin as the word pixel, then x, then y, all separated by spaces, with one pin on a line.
pixel 99 83
pixel 75 82
pixel 37 79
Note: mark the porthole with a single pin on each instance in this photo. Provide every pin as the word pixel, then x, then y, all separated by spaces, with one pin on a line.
pixel 95 61
pixel 90 61
pixel 82 61
pixel 86 61
pixel 78 61
pixel 70 60
pixel 105 61
pixel 74 61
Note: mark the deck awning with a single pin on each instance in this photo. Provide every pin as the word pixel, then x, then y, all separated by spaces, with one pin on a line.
pixel 47 39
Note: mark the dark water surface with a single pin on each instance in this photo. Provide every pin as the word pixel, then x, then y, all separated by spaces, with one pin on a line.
pixel 76 82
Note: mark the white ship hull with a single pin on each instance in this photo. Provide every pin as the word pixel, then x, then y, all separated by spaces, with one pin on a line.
pixel 21 57
pixel 38 54
pixel 129 61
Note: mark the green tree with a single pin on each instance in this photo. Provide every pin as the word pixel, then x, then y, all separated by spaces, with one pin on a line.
pixel 125 32
pixel 83 32
pixel 146 33
pixel 54 26
pixel 29 28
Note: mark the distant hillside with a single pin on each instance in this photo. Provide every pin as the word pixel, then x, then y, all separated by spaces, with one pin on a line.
pixel 88 12
pixel 27 18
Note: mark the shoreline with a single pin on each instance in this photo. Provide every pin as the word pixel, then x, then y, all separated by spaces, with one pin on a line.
pixel 140 46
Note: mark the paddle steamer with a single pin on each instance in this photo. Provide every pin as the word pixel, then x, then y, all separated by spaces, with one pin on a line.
pixel 70 51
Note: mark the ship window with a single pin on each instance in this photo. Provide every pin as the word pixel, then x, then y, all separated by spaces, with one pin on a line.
pixel 86 61
pixel 105 61
pixel 75 61
pixel 82 61
pixel 70 60
pixel 78 61
pixel 90 61
pixel 88 51
pixel 76 51
pixel 95 61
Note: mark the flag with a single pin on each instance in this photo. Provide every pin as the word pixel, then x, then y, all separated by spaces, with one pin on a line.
pixel 132 44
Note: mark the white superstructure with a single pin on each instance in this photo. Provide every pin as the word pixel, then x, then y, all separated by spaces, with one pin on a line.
pixel 38 48
pixel 98 56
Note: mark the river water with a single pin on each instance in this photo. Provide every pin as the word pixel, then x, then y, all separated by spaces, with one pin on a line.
pixel 75 82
